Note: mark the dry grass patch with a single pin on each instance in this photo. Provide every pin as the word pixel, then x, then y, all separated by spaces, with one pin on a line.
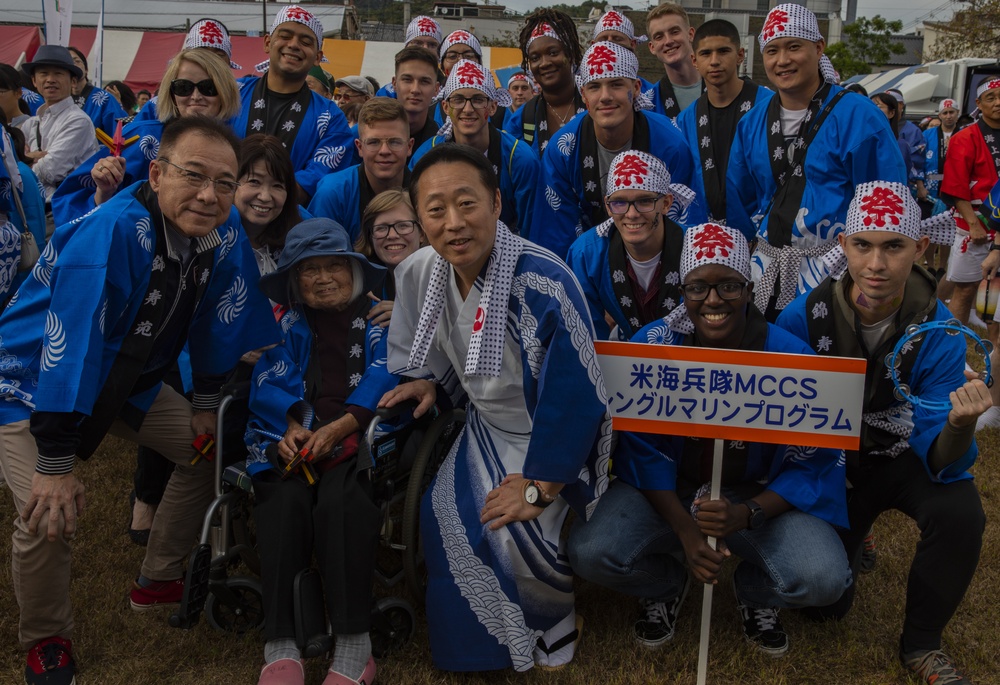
pixel 115 645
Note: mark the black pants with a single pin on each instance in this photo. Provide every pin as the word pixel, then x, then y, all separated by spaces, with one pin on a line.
pixel 951 521
pixel 338 518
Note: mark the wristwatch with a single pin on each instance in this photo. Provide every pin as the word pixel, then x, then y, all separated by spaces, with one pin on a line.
pixel 535 496
pixel 994 246
pixel 757 516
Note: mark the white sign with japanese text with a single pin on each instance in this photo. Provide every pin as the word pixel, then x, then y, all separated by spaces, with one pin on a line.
pixel 700 392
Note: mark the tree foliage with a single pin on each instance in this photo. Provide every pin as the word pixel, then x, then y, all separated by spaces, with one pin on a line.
pixel 866 42
pixel 972 32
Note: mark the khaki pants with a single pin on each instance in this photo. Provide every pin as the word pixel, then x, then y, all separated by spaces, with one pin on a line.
pixel 41 569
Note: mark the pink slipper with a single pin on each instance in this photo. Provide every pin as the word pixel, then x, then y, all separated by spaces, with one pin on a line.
pixel 283 672
pixel 367 676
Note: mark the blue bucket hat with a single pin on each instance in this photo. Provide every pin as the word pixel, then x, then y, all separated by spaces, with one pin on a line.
pixel 319 237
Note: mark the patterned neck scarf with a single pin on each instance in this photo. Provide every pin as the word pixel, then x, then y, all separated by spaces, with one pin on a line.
pixel 486 346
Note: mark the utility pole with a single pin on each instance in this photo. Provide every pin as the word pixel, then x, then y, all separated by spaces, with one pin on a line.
pixel 406 14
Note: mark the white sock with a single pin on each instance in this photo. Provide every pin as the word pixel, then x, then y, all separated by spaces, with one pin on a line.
pixel 281 648
pixel 350 654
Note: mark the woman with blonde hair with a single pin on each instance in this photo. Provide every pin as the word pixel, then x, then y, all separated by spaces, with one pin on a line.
pixel 195 83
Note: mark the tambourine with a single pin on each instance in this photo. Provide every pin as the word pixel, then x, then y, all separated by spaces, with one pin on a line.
pixel 986 298
pixel 915 333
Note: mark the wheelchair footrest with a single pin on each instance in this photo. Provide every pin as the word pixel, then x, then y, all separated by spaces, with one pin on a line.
pixel 195 588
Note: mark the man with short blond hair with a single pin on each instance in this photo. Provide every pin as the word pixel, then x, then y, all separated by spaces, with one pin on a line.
pixel 384 144
pixel 670 41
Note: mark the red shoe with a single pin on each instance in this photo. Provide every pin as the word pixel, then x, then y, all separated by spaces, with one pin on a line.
pixel 50 662
pixel 283 672
pixel 367 676
pixel 156 594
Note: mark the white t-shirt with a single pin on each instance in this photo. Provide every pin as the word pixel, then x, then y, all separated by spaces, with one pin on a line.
pixel 644 271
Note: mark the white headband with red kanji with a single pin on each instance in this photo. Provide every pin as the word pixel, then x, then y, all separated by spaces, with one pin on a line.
pixel 543 30
pixel 883 206
pixel 299 16
pixel 795 21
pixel 947 103
pixel 988 84
pixel 209 33
pixel 637 170
pixel 610 60
pixel 715 244
pixel 519 76
pixel 461 38
pixel 422 26
pixel 469 74
pixel 616 21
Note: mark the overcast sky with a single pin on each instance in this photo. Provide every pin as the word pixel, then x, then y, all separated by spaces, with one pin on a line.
pixel 909 11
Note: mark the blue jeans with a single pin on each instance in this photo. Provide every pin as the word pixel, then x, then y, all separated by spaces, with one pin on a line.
pixel 796 560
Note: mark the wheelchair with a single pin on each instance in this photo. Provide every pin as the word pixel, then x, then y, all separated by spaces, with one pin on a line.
pixel 403 455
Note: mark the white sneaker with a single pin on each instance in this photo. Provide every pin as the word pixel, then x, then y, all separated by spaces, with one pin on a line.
pixel 975 321
pixel 989 419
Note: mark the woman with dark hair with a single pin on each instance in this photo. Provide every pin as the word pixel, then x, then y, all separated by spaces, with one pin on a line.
pixel 13 107
pixel 266 178
pixel 890 107
pixel 315 392
pixel 123 94
pixel 551 52
pixel 195 82
pixel 96 103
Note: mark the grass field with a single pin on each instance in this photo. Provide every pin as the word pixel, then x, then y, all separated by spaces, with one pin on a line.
pixel 116 645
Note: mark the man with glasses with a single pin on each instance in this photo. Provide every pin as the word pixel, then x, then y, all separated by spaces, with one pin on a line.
pixel 279 103
pixel 90 338
pixel 576 163
pixel 628 266
pixel 353 91
pixel 471 99
pixel 384 144
pixel 777 504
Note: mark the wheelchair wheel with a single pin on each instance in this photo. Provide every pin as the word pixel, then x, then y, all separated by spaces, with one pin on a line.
pixel 238 607
pixel 433 449
pixel 392 626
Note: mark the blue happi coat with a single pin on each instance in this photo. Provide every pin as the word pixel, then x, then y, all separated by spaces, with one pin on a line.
pixel 32 99
pixel 561 210
pixel 338 197
pixel 61 334
pixel 854 145
pixel 323 143
pixel 653 92
pixel 687 122
pixel 912 134
pixel 75 195
pixel 934 164
pixel 10 234
pixel 811 479
pixel 518 174
pixel 279 383
pixel 514 124
pixel 103 109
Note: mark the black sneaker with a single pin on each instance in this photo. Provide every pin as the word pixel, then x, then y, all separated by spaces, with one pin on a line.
pixel 933 667
pixel 657 625
pixel 762 628
pixel 50 662
pixel 869 554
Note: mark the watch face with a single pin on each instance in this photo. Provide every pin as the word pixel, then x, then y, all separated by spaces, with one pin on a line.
pixel 531 494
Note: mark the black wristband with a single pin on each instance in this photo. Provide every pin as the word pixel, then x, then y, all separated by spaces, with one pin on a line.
pixel 994 246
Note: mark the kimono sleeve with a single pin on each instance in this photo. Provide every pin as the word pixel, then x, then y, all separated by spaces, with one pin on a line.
pixel 586 262
pixel 234 316
pixel 743 194
pixel 333 150
pixel 556 219
pixel 813 480
pixel 937 371
pixel 560 363
pixel 524 170
pixel 276 385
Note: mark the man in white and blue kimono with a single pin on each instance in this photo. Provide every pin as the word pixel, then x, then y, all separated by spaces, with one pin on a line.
pixel 575 166
pixel 280 103
pixel 794 164
pixel 471 99
pixel 86 343
pixel 915 456
pixel 500 323
pixel 779 503
pixel 937 140
pixel 628 266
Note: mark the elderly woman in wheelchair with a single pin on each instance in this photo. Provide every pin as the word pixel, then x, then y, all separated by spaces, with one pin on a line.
pixel 309 399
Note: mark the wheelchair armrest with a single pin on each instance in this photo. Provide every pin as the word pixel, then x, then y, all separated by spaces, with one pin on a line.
pixel 238 390
pixel 386 413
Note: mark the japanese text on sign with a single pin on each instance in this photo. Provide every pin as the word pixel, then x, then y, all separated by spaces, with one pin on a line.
pixel 734 394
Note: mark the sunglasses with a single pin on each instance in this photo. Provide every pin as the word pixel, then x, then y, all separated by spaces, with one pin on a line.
pixel 183 88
